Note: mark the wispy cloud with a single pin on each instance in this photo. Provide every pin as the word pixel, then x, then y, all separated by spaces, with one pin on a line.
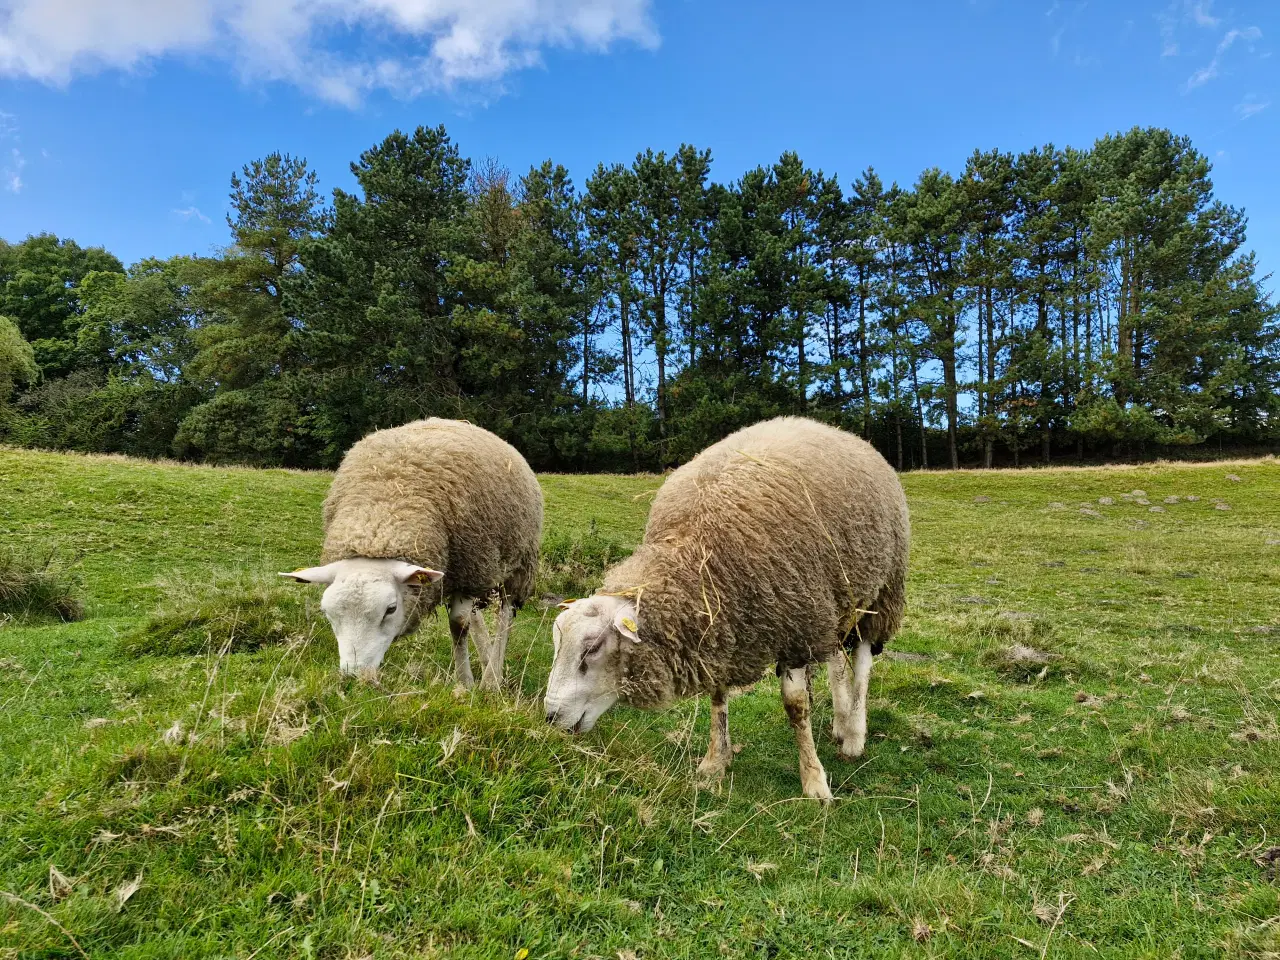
pixel 1251 106
pixel 192 213
pixel 453 42
pixel 1208 72
pixel 1179 12
pixel 12 174
pixel 1200 13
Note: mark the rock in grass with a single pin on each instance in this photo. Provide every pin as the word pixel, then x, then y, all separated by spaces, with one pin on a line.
pixel 1222 506
pixel 981 499
pixel 1107 501
pixel 1156 510
pixel 1233 478
pixel 1192 498
pixel 1171 499
pixel 1090 512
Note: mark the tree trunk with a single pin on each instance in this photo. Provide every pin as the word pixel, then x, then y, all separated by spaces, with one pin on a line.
pixel 864 360
pixel 924 436
pixel 1124 331
pixel 628 376
pixel 950 386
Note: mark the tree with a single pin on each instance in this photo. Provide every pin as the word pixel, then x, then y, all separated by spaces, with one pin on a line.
pixel 39 289
pixel 377 344
pixel 17 361
pixel 933 219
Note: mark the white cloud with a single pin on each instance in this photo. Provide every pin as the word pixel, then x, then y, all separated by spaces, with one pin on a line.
pixel 1251 106
pixel 1207 73
pixel 1248 34
pixel 1203 75
pixel 336 49
pixel 188 213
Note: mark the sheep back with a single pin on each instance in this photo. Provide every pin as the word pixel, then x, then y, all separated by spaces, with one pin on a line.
pixel 443 494
pixel 773 547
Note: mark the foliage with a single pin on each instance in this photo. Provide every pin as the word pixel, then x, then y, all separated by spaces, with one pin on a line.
pixel 17 365
pixel 574 565
pixel 1052 302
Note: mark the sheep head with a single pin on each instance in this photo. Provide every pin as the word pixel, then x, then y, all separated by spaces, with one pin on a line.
pixel 587 671
pixel 368 603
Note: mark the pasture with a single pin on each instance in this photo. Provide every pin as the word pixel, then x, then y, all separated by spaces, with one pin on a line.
pixel 1074 744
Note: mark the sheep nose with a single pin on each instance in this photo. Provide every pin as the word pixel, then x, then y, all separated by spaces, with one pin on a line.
pixel 551 716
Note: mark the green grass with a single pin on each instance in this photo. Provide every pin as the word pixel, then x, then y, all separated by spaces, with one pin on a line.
pixel 33 587
pixel 1075 745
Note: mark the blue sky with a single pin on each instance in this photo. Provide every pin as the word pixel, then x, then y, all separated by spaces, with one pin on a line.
pixel 121 123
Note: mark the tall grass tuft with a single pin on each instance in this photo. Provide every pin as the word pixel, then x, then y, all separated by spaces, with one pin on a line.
pixel 574 565
pixel 231 610
pixel 35 586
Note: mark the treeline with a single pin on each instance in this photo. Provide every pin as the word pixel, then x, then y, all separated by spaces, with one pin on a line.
pixel 1055 303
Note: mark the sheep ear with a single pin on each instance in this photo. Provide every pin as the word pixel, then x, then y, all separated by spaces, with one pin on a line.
pixel 624 621
pixel 326 574
pixel 565 604
pixel 420 575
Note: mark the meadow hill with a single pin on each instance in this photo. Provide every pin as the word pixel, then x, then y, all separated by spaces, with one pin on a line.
pixel 1060 302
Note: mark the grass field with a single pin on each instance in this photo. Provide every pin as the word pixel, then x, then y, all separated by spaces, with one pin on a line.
pixel 1074 751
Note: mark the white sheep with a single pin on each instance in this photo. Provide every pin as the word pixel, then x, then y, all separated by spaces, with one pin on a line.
pixel 434 500
pixel 780 546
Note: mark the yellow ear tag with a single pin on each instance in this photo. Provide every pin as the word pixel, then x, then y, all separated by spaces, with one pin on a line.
pixel 630 624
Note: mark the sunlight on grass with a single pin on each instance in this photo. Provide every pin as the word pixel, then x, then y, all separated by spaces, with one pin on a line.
pixel 1073 745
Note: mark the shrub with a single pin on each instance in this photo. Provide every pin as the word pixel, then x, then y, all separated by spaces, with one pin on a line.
pixel 34 587
pixel 225 610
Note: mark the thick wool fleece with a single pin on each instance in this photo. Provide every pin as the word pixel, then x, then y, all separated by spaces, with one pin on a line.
pixel 773 547
pixel 442 494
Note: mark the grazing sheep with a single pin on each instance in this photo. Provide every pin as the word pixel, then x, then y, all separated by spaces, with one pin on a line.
pixel 408 503
pixel 780 546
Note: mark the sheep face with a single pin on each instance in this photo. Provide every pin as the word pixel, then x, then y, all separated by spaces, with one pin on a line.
pixel 587 670
pixel 368 603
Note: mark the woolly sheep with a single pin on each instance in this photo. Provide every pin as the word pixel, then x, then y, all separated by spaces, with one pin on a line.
pixel 408 503
pixel 781 546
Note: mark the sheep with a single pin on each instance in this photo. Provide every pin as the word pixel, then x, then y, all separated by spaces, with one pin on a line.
pixel 413 505
pixel 782 545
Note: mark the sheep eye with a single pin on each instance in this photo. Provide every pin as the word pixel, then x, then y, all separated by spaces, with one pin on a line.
pixel 390 610
pixel 589 651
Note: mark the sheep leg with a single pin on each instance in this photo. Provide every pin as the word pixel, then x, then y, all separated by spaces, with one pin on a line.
pixel 498 649
pixel 856 739
pixel 460 610
pixel 849 700
pixel 489 680
pixel 719 753
pixel 841 697
pixel 795 698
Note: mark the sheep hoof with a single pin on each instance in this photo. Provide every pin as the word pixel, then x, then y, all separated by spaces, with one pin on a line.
pixel 819 791
pixel 849 750
pixel 711 771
